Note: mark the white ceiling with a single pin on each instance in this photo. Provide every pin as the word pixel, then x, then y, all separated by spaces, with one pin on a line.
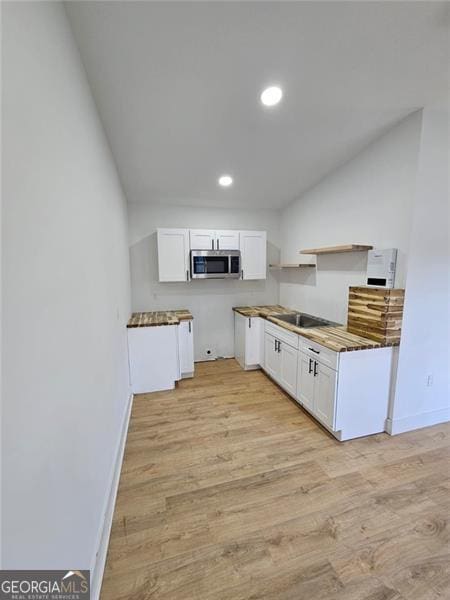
pixel 177 85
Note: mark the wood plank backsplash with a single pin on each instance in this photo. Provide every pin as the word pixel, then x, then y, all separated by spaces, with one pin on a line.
pixel 376 313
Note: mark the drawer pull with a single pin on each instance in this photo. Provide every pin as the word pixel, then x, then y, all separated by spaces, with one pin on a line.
pixel 315 351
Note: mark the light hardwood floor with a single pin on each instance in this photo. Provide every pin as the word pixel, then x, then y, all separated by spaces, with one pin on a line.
pixel 229 491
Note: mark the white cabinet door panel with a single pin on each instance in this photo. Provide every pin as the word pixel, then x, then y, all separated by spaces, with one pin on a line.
pixel 288 368
pixel 252 245
pixel 153 356
pixel 240 323
pixel 202 239
pixel 248 341
pixel 324 394
pixel 271 357
pixel 173 254
pixel 227 240
pixel 252 333
pixel 186 348
pixel 305 384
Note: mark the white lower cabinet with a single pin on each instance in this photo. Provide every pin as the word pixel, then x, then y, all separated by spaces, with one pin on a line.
pixel 248 333
pixel 281 362
pixel 305 383
pixel 325 395
pixel 153 358
pixel 271 356
pixel 160 355
pixel 347 392
pixel 316 389
pixel 186 348
pixel 288 368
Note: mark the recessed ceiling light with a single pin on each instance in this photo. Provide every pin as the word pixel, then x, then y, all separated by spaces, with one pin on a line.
pixel 271 95
pixel 225 180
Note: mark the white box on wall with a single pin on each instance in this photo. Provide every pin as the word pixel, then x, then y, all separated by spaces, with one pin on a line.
pixel 381 268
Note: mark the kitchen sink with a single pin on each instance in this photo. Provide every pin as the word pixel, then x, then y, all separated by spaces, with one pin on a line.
pixel 304 320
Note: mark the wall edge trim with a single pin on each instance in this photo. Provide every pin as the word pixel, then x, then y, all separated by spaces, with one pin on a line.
pixel 99 560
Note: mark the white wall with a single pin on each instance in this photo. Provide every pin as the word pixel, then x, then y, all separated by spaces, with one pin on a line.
pixel 424 348
pixel 393 194
pixel 367 200
pixel 65 298
pixel 210 301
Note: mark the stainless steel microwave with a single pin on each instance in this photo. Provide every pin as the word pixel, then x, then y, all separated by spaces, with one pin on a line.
pixel 215 264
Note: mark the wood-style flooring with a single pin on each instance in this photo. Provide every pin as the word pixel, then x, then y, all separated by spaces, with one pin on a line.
pixel 230 491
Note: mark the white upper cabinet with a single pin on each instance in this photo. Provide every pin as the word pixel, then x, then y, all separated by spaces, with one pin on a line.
pixel 202 239
pixel 252 245
pixel 227 240
pixel 174 246
pixel 173 254
pixel 209 239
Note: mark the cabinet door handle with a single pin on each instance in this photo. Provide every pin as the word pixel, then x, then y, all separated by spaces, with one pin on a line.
pixel 315 368
pixel 187 274
pixel 310 365
pixel 249 322
pixel 276 350
pixel 189 327
pixel 217 244
pixel 242 273
pixel 212 244
pixel 315 351
pixel 279 346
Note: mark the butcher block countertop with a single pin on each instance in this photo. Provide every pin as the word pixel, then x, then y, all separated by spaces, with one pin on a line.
pixel 334 338
pixel 159 317
pixel 262 311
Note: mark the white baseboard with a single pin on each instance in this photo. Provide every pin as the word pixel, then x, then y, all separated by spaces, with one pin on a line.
pixel 213 358
pixel 99 560
pixel 395 426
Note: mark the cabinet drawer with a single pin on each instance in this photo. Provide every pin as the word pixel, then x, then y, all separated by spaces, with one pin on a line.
pixel 323 355
pixel 282 334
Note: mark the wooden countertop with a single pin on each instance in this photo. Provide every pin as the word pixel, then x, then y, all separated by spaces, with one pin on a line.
pixel 159 317
pixel 261 311
pixel 334 338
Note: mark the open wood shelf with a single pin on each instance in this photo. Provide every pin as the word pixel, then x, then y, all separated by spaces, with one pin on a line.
pixel 291 266
pixel 337 249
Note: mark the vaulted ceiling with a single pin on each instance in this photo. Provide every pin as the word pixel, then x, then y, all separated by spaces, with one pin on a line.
pixel 177 86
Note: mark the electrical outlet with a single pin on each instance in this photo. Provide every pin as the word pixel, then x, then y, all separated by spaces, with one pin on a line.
pixel 429 380
pixel 210 353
